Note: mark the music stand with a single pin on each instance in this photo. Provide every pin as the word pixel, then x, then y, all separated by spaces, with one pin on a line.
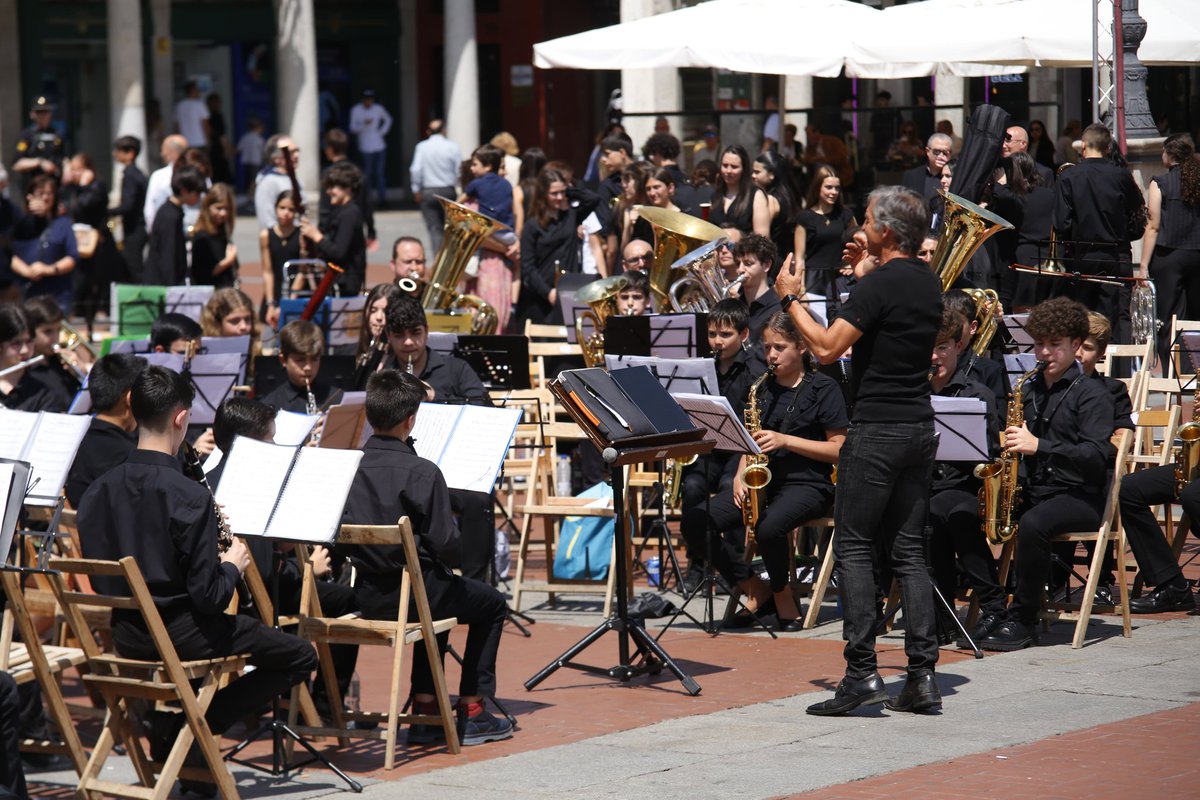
pixel 136 307
pixel 1015 325
pixel 660 335
pixel 345 320
pixel 501 362
pixel 620 453
pixel 188 300
pixel 214 377
pixel 1017 364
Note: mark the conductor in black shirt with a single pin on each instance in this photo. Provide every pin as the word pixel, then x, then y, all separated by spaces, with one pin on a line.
pixel 146 508
pixel 884 472
pixel 111 437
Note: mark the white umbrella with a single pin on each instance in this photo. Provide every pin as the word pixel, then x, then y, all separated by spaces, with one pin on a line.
pixel 773 37
pixel 1054 33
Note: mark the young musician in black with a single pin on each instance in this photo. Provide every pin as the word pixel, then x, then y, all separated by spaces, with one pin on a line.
pixel 1064 448
pixel 1141 491
pixel 301 344
pixel 20 389
pixel 147 508
pixel 111 437
pixel 174 333
pixel 59 371
pixel 756 256
pixel 885 468
pixel 954 504
pixel 393 482
pixel 737 365
pixel 981 368
pixel 802 425
pixel 453 381
pixel 633 300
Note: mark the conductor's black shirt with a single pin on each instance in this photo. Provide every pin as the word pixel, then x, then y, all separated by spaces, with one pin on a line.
pixel 104 446
pixel 148 509
pixel 393 482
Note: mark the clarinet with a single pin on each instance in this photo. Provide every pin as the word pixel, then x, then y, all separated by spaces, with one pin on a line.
pixel 196 472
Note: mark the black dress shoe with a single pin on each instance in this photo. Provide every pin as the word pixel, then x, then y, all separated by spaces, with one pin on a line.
pixel 919 695
pixel 1164 598
pixel 985 625
pixel 749 619
pixel 850 695
pixel 1010 635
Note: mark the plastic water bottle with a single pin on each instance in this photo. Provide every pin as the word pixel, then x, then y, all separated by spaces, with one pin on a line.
pixel 653 569
pixel 352 695
pixel 562 477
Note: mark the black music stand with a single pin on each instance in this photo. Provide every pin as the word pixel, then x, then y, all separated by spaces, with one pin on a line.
pixel 633 450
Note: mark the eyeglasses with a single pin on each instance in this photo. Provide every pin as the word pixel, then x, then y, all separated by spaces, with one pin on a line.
pixel 939 152
pixel 412 261
pixel 636 259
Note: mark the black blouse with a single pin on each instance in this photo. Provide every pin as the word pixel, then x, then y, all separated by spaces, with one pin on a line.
pixel 823 237
pixel 808 411
pixel 742 219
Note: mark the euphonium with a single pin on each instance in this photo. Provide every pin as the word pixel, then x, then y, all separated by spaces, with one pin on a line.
pixel 462 234
pixel 1143 312
pixel 675 235
pixel 965 227
pixel 702 283
pixel 601 297
pixel 1000 492
pixel 1189 449
pixel 756 474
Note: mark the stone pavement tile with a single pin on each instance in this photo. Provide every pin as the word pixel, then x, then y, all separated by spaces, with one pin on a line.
pixel 1146 756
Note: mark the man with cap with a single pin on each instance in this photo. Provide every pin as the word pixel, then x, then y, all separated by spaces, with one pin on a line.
pixel 40 149
pixel 370 122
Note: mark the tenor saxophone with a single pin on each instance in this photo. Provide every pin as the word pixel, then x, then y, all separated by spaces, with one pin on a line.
pixel 1189 449
pixel 1000 491
pixel 756 474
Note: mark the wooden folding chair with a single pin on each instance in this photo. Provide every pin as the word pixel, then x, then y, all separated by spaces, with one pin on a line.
pixel 397 634
pixel 1110 531
pixel 119 680
pixel 29 661
pixel 821 580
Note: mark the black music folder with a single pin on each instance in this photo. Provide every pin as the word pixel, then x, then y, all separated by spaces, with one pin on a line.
pixel 634 409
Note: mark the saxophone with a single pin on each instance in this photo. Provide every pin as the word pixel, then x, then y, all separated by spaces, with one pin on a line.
pixel 756 474
pixel 1189 450
pixel 1000 492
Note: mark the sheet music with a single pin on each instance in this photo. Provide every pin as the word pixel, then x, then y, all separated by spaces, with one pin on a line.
pixel 818 308
pixel 477 447
pixel 221 345
pixel 677 375
pixel 310 509
pixel 16 429
pixel 720 421
pixel 346 320
pixel 961 423
pixel 435 422
pixel 1015 323
pixel 49 447
pixel 293 429
pixel 342 423
pixel 253 477
pixel 9 509
pixel 213 461
pixel 1017 365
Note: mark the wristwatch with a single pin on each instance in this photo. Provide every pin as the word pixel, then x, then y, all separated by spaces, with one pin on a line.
pixel 787 301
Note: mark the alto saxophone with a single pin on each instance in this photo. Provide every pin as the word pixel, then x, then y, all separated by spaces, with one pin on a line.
pixel 756 474
pixel 1000 492
pixel 1189 449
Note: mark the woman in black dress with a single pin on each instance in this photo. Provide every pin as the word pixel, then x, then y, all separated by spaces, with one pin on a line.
pixel 278 245
pixel 550 243
pixel 214 256
pixel 1029 206
pixel 773 175
pixel 736 201
pixel 819 230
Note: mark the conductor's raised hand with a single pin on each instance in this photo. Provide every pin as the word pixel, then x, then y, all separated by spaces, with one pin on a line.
pixel 791 278
pixel 237 554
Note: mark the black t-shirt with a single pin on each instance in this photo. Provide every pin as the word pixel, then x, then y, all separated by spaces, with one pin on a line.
pixel 808 411
pixel 898 308
pixel 104 446
pixel 823 239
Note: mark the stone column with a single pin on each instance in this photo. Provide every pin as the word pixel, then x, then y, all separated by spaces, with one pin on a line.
pixel 13 115
pixel 126 87
pixel 462 75
pixel 648 90
pixel 296 88
pixel 164 76
pixel 1044 84
pixel 408 120
pixel 797 93
pixel 951 91
pixel 1143 144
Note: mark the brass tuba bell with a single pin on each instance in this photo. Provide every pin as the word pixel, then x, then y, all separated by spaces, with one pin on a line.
pixel 601 298
pixel 966 226
pixel 702 283
pixel 675 235
pixel 462 233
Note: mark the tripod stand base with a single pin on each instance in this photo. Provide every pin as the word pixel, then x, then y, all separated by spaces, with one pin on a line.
pixel 654 657
pixel 279 767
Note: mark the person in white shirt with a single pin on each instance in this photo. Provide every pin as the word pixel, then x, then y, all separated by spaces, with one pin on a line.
pixel 371 123
pixel 158 187
pixel 271 183
pixel 191 117
pixel 433 173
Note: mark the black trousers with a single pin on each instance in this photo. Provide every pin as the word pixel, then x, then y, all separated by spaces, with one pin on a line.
pixel 1139 491
pixel 337 599
pixel 1042 519
pixel 477 524
pixel 12 776
pixel 710 475
pixel 133 254
pixel 789 506
pixel 475 604
pixel 280 660
pixel 954 518
pixel 1176 276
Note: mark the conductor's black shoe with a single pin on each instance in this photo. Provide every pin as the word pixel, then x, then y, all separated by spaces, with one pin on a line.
pixel 1010 635
pixel 985 625
pixel 1164 598
pixel 919 695
pixel 851 694
pixel 482 728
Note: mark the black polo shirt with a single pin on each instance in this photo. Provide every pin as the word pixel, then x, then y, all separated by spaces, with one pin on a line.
pixel 761 311
pixel 898 308
pixel 289 397
pixel 1073 420
pixel 808 410
pixel 104 446
pixel 453 380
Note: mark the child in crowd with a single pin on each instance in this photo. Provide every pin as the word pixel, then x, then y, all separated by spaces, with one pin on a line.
pixel 301 345
pixel 111 436
pixel 174 333
pixel 633 300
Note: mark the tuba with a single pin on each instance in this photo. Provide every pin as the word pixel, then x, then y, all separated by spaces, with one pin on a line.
pixel 676 234
pixel 966 226
pixel 1143 311
pixel 1000 489
pixel 702 282
pixel 601 298
pixel 462 234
